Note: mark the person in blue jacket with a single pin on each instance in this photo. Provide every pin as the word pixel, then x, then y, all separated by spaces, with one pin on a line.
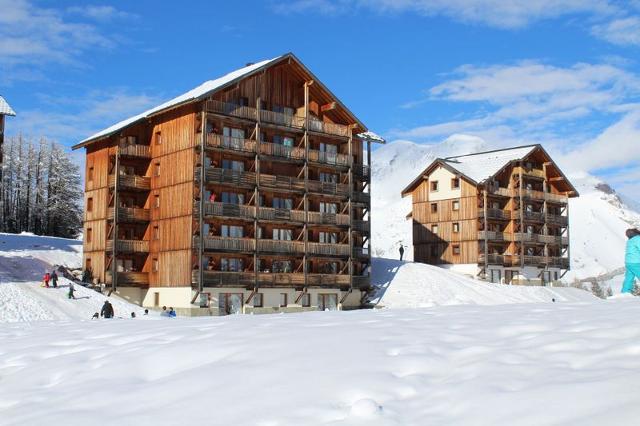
pixel 631 260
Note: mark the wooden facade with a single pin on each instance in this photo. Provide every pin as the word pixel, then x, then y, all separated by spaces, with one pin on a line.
pixel 509 222
pixel 261 183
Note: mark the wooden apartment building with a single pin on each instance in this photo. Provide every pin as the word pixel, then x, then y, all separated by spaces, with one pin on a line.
pixel 502 215
pixel 249 193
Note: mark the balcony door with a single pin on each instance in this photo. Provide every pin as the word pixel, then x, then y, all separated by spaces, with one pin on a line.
pixel 327 302
pixel 230 303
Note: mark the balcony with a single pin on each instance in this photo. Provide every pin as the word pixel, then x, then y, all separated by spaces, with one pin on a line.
pixel 493 236
pixel 226 244
pixel 328 279
pixel 269 213
pixel 220 278
pixel 282 119
pixel 557 220
pixel 135 151
pixel 363 226
pixel 318 126
pixel 360 252
pixel 496 214
pixel 231 177
pixel 318 218
pixel 362 172
pixel 129 246
pixel 361 281
pixel 501 192
pixel 229 210
pixel 131 182
pixel 280 247
pixel 285 183
pixel 496 259
pixel 329 188
pixel 233 110
pixel 274 278
pixel 554 239
pixel 361 197
pixel 229 143
pixel 328 249
pixel 544 261
pixel 535 173
pixel 130 214
pixel 529 216
pixel 129 279
pixel 282 151
pixel 334 159
pixel 540 195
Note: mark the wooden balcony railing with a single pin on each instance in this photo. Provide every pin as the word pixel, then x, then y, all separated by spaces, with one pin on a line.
pixel 282 119
pixel 230 143
pixel 216 243
pixel 223 278
pixel 286 183
pixel 496 214
pixel 553 239
pixel 329 128
pixel 360 252
pixel 273 278
pixel 131 182
pixel 557 220
pixel 323 157
pixel 540 195
pixel 529 216
pixel 217 175
pixel 537 173
pixel 362 172
pixel 231 109
pixel 130 214
pixel 328 188
pixel 328 218
pixel 361 197
pixel 129 246
pixel 503 192
pixel 269 213
pixel 361 226
pixel 229 210
pixel 220 278
pixel 361 281
pixel 137 151
pixel 279 246
pixel 328 249
pixel 327 279
pixel 283 151
pixel 135 279
pixel 496 259
pixel 493 236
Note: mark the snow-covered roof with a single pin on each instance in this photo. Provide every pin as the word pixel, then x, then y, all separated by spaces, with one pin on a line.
pixel 484 165
pixel 5 109
pixel 373 137
pixel 200 91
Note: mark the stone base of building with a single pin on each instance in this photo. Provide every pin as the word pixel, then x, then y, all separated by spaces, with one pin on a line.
pixel 224 301
pixel 509 275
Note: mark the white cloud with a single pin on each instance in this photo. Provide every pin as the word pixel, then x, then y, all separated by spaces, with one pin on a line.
pixel 99 12
pixel 622 31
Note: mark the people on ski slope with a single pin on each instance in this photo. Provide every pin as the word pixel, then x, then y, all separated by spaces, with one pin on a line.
pixel 107 310
pixel 71 291
pixel 172 313
pixel 54 279
pixel 46 279
pixel 631 260
pixel 401 251
pixel 164 312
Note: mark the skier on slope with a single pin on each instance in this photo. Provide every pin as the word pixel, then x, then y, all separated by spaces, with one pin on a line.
pixel 631 260
pixel 46 279
pixel 71 291
pixel 54 279
pixel 107 310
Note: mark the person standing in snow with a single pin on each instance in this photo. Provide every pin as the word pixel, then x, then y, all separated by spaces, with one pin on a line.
pixel 46 279
pixel 401 252
pixel 631 260
pixel 71 291
pixel 107 310
pixel 172 313
pixel 54 279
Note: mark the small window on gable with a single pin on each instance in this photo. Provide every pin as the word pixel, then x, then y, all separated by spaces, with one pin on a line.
pixel 456 227
pixel 156 169
pixel 434 207
pixel 455 205
pixel 90 174
pixel 89 204
pixel 155 265
pixel 158 138
pixel 87 264
pixel 434 185
pixel 455 183
pixel 156 201
pixel 156 232
pixel 89 235
pixel 455 249
pixel 434 229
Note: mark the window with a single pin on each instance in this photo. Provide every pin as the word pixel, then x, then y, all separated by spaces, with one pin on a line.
pixel 283 300
pixel 328 208
pixel 156 233
pixel 87 264
pixel 434 207
pixel 495 275
pixel 329 268
pixel 244 101
pixel 455 205
pixel 89 204
pixel 455 249
pixel 328 237
pixel 281 266
pixel 156 266
pixel 456 227
pixel 434 229
pixel 156 169
pixel 329 148
pixel 305 301
pixel 434 185
pixel 90 174
pixel 89 234
pixel 328 177
pixel 234 165
pixel 283 234
pixel 258 300
pixel 158 138
pixel 455 183
pixel 327 302
pixel 232 198
pixel 282 203
pixel 231 231
pixel 231 264
pixel 156 201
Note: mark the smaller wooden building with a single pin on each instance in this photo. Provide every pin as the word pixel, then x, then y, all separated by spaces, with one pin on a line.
pixel 503 215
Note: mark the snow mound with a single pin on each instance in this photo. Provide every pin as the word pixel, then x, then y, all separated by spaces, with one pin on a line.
pixel 416 285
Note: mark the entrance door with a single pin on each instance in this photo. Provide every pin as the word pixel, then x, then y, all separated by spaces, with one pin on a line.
pixel 230 303
pixel 327 302
pixel 496 275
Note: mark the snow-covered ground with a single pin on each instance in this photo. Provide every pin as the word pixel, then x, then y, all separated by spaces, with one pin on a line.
pixel 526 364
pixel 416 285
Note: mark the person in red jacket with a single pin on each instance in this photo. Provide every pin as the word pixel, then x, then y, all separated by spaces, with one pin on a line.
pixel 46 279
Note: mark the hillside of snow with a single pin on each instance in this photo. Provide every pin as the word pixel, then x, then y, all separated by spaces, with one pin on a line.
pixel 598 217
pixel 416 285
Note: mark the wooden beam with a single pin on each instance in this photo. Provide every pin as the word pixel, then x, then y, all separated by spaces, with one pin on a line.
pixel 328 107
pixel 556 179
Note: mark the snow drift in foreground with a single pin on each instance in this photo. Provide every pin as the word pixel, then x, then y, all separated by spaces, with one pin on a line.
pixel 543 364
pixel 413 285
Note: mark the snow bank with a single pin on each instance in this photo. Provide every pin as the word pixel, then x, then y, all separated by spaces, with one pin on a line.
pixel 414 285
pixel 562 363
pixel 49 250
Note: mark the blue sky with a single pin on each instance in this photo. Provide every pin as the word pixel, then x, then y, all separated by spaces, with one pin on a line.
pixel 561 73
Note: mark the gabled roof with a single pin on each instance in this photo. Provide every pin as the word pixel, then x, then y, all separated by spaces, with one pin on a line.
pixel 5 109
pixel 206 89
pixel 482 166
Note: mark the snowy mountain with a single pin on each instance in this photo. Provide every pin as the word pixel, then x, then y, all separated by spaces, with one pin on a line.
pixel 598 217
